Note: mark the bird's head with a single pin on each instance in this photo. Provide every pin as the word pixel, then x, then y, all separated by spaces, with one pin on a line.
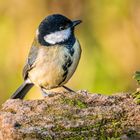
pixel 56 29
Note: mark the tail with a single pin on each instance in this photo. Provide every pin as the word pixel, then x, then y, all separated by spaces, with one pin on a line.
pixel 22 90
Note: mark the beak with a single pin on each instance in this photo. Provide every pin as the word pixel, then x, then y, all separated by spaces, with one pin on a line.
pixel 76 22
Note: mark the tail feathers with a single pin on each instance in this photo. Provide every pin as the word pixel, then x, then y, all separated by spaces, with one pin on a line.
pixel 22 90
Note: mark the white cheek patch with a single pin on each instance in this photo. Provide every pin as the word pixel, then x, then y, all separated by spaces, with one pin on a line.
pixel 58 36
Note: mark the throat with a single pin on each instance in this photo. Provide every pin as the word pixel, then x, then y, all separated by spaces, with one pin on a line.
pixel 69 45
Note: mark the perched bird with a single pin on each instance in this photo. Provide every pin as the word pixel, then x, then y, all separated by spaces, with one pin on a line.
pixel 53 57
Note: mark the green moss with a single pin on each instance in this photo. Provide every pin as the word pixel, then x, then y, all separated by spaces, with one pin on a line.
pixel 74 102
pixel 113 138
pixel 136 97
pixel 75 138
pixel 48 138
pixel 97 131
pixel 81 104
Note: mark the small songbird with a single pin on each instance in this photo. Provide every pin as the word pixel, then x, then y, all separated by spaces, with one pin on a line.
pixel 53 57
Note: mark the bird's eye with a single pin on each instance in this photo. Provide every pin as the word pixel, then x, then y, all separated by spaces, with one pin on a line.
pixel 62 28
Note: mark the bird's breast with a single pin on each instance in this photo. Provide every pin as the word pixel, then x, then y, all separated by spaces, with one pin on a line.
pixel 54 65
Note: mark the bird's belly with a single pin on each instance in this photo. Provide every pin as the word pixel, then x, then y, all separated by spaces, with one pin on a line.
pixel 49 71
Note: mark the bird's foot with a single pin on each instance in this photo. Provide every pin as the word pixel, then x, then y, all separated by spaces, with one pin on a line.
pixel 68 89
pixel 44 93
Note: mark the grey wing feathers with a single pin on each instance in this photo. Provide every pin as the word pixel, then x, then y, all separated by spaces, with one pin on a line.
pixel 30 61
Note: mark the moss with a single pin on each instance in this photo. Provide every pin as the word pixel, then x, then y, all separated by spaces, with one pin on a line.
pixel 100 128
pixel 77 117
pixel 74 102
pixel 136 97
pixel 48 138
pixel 86 130
pixel 81 133
pixel 90 138
pixel 75 138
pixel 113 138
pixel 116 127
pixel 81 104
pixel 58 128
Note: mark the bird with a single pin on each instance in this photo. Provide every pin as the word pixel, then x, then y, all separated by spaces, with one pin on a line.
pixel 53 56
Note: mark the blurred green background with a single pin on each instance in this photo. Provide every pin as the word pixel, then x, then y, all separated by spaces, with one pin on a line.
pixel 109 36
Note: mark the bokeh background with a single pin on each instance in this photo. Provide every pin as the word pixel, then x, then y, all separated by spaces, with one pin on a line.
pixel 109 36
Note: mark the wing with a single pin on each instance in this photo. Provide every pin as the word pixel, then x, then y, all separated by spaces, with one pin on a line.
pixel 31 59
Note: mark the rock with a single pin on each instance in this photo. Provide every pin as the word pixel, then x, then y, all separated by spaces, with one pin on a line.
pixel 71 116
